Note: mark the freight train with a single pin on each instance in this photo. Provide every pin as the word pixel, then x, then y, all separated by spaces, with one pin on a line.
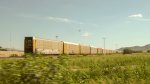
pixel 53 47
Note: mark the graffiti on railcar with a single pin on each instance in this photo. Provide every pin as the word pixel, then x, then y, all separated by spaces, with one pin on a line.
pixel 47 51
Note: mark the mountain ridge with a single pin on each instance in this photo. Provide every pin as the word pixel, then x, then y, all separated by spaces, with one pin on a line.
pixel 137 48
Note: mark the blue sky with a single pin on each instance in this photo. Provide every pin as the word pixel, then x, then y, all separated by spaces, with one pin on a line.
pixel 122 22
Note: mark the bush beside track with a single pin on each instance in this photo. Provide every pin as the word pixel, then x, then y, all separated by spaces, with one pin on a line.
pixel 108 69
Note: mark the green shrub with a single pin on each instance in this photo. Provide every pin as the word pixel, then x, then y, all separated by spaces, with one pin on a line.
pixel 148 51
pixel 127 51
pixel 139 51
pixel 13 55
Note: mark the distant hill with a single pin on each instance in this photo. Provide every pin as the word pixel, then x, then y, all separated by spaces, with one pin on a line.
pixel 9 49
pixel 137 48
pixel 2 49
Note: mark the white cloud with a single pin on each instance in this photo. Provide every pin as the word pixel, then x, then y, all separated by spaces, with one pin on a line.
pixel 59 19
pixel 136 15
pixel 85 34
pixel 56 19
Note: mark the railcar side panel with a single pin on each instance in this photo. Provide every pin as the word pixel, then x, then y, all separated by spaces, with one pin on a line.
pixel 85 50
pixel 93 51
pixel 71 49
pixel 99 51
pixel 49 47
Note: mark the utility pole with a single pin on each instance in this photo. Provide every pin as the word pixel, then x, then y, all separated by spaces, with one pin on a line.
pixel 104 39
pixel 10 44
pixel 116 46
pixel 10 41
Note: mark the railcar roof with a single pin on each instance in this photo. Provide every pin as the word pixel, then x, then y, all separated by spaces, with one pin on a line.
pixel 84 45
pixel 71 43
pixel 46 39
pixel 93 47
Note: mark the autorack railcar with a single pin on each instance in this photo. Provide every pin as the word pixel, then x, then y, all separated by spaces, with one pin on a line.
pixel 42 46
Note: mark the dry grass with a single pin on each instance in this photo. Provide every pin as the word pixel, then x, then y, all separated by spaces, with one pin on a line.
pixel 10 53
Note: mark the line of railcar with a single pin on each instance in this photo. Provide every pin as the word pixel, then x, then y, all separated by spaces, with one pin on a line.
pixel 53 47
